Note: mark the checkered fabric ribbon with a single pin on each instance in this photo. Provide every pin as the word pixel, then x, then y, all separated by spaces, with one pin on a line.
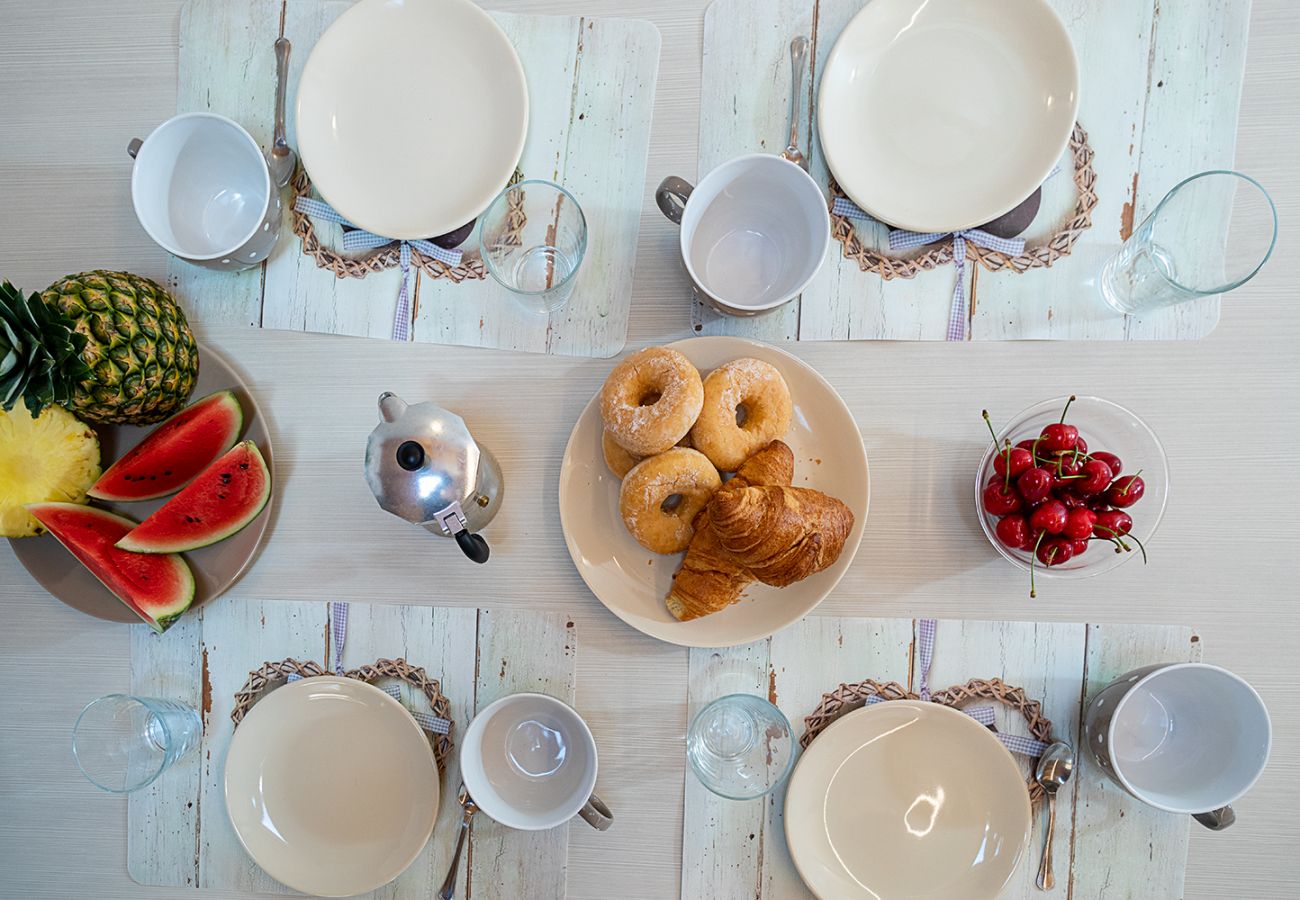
pixel 360 239
pixel 339 636
pixel 1025 746
pixel 910 240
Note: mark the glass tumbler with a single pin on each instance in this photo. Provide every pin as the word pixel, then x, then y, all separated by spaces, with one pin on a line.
pixel 740 746
pixel 123 743
pixel 532 239
pixel 1184 249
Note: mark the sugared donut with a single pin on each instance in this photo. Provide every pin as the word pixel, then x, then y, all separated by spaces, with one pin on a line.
pixel 619 460
pixel 662 495
pixel 746 407
pixel 651 400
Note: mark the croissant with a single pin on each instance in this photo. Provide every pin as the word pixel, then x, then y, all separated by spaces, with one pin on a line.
pixel 710 579
pixel 780 534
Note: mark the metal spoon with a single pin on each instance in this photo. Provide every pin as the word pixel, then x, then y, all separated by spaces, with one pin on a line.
pixel 798 66
pixel 282 159
pixel 1054 769
pixel 448 889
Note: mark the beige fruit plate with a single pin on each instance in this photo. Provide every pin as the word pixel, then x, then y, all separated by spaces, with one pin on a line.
pixel 215 567
pixel 632 582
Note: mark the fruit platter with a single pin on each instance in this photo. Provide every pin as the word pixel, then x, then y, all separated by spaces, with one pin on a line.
pixel 135 472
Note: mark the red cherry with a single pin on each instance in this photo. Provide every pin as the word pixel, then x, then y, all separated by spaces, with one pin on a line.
pixel 1014 532
pixel 1097 476
pixel 999 500
pixel 1079 547
pixel 1063 468
pixel 1111 460
pixel 1079 523
pixel 1034 484
pixel 1020 459
pixel 1055 552
pixel 1112 522
pixel 1126 491
pixel 1027 444
pixel 1050 516
pixel 1081 445
pixel 1058 436
pixel 1072 499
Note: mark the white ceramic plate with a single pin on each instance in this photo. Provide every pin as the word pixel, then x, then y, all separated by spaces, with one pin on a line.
pixel 632 582
pixel 936 115
pixel 906 799
pixel 411 115
pixel 331 786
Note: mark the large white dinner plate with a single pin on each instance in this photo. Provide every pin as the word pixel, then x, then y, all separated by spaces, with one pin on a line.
pixel 632 582
pixel 937 115
pixel 906 799
pixel 331 786
pixel 411 115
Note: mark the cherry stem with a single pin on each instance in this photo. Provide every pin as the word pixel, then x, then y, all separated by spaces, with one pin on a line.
pixel 1117 537
pixel 1033 558
pixel 1034 450
pixel 1141 547
pixel 1006 483
pixel 1067 408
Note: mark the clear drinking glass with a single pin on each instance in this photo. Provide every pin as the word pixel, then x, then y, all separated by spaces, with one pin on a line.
pixel 740 746
pixel 532 239
pixel 1184 249
pixel 123 743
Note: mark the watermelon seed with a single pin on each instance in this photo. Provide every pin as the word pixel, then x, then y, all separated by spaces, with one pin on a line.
pixel 167 472
pixel 243 465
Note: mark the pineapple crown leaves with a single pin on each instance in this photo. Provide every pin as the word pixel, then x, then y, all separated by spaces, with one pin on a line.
pixel 40 353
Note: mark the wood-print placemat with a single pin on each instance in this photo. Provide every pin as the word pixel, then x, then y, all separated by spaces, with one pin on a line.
pixel 1107 844
pixel 1155 112
pixel 591 87
pixel 178 832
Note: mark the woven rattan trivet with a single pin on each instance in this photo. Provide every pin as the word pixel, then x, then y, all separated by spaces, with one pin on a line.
pixel 1040 255
pixel 271 674
pixel 848 697
pixel 387 257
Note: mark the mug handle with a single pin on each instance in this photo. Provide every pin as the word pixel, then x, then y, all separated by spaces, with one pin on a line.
pixel 672 196
pixel 1216 819
pixel 133 148
pixel 596 814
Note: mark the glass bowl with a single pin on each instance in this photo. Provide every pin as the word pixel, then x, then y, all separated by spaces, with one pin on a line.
pixel 1105 426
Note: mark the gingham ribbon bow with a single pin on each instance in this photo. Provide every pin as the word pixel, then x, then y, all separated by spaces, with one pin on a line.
pixel 926 629
pixel 910 240
pixel 360 239
pixel 339 636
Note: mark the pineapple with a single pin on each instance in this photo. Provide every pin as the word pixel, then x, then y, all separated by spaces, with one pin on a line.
pixel 112 347
pixel 50 457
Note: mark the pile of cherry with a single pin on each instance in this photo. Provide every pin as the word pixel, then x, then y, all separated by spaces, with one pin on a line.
pixel 1053 496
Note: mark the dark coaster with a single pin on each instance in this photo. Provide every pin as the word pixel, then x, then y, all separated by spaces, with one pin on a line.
pixel 1012 223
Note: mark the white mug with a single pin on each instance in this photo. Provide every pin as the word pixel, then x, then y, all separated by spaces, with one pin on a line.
pixel 203 192
pixel 754 232
pixel 529 762
pixel 1182 737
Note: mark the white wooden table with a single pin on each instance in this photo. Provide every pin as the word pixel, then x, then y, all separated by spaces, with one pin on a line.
pixel 78 79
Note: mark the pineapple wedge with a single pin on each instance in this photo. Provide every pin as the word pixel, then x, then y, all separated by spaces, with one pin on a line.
pixel 51 457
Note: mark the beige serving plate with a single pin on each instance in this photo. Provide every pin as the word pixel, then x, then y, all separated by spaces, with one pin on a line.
pixel 331 786
pixel 411 115
pixel 906 799
pixel 632 582
pixel 215 567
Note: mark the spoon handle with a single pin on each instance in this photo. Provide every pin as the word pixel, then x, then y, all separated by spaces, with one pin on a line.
pixel 448 889
pixel 1045 879
pixel 798 68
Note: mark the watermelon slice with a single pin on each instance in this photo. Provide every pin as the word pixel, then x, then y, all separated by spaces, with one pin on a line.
pixel 223 499
pixel 156 588
pixel 174 452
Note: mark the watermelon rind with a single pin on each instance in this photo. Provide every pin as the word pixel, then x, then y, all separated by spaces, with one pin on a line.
pixel 160 615
pixel 151 536
pixel 115 485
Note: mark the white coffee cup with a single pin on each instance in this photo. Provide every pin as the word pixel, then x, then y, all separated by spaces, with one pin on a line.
pixel 754 232
pixel 1182 737
pixel 202 190
pixel 529 762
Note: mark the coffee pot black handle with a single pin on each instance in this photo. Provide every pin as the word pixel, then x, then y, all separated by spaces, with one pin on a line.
pixel 473 546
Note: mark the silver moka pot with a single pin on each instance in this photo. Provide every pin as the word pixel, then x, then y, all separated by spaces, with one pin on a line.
pixel 424 466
